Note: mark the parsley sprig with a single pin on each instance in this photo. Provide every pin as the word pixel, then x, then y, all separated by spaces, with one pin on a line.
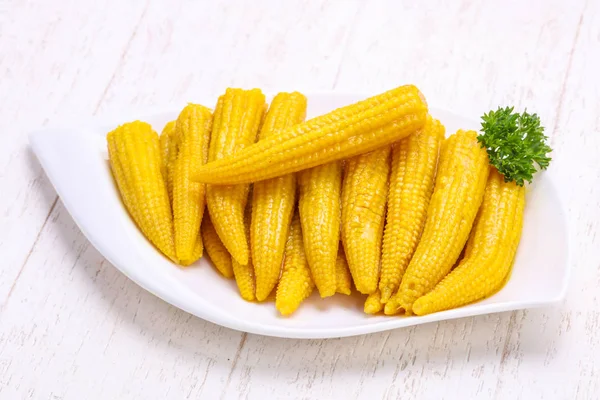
pixel 514 142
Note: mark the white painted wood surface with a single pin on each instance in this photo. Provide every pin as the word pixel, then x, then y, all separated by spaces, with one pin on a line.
pixel 73 327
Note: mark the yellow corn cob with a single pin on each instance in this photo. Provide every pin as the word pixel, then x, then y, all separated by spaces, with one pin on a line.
pixel 218 254
pixel 392 306
pixel 343 280
pixel 168 152
pixel 244 278
pixel 364 197
pixel 273 200
pixel 135 159
pixel 196 253
pixel 490 251
pixel 373 304
pixel 319 206
pixel 236 121
pixel 343 133
pixel 296 283
pixel 414 161
pixel 458 192
pixel 193 133
pixel 244 274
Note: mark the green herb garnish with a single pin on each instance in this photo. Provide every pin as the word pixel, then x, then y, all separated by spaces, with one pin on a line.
pixel 514 142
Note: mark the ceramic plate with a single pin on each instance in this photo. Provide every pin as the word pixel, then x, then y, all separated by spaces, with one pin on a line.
pixel 75 160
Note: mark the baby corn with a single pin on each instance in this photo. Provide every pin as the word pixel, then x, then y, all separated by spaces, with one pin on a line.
pixel 319 205
pixel 373 304
pixel 273 200
pixel 237 118
pixel 490 250
pixel 364 197
pixel 458 192
pixel 343 279
pixel 192 136
pixel 340 134
pixel 414 161
pixel 169 150
pixel 296 283
pixel 135 160
pixel 244 278
pixel 244 273
pixel 218 254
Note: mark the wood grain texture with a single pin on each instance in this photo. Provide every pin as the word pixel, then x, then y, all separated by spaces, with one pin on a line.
pixel 72 326
pixel 56 61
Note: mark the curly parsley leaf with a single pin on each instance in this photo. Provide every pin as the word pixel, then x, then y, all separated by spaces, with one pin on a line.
pixel 514 142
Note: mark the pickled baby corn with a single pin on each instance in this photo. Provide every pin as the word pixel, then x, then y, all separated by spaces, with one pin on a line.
pixel 244 273
pixel 273 200
pixel 296 283
pixel 169 150
pixel 383 200
pixel 490 250
pixel 236 122
pixel 343 279
pixel 414 161
pixel 217 252
pixel 343 133
pixel 135 160
pixel 192 136
pixel 244 278
pixel 364 197
pixel 197 252
pixel 459 187
pixel 319 206
pixel 373 304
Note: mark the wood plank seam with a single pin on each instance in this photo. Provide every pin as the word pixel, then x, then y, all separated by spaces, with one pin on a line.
pixel 35 242
pixel 558 112
pixel 563 87
pixel 126 50
pixel 505 351
pixel 346 43
pixel 100 101
pixel 234 363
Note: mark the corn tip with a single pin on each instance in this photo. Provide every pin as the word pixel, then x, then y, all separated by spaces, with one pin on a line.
pixel 240 255
pixel 365 288
pixel 392 307
pixel 248 297
pixel 373 303
pixel 261 294
pixel 371 309
pixel 419 307
pixel 284 308
pixel 386 293
pixel 327 291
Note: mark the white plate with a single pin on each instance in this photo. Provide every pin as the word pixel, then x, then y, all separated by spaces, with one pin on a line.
pixel 75 160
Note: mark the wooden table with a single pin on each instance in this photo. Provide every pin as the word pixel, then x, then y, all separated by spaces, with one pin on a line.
pixel 73 327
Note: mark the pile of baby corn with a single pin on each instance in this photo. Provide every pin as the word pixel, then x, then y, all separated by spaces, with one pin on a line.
pixel 425 223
